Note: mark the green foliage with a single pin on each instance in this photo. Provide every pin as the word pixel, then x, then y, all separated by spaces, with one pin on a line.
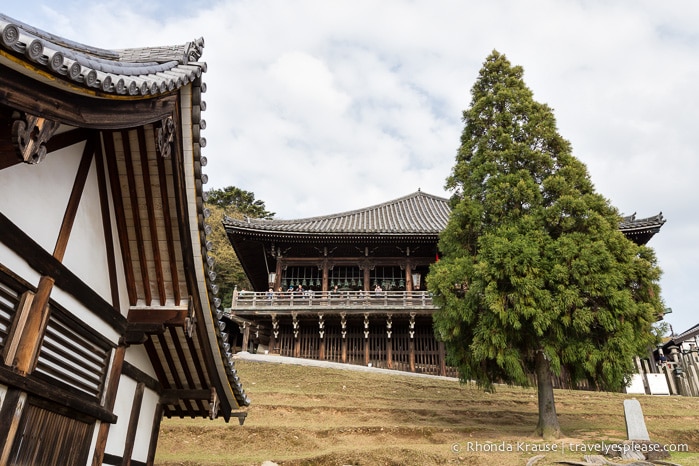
pixel 532 258
pixel 236 203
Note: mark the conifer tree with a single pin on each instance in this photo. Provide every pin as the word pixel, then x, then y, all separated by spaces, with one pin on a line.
pixel 535 275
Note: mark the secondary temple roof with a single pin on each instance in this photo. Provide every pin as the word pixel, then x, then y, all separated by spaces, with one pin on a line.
pixel 418 213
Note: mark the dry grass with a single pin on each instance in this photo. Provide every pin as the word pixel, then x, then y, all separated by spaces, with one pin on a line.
pixel 314 416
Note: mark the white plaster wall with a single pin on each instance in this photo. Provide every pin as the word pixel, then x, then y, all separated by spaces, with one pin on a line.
pixel 145 426
pixel 35 197
pixel 138 356
pixel 86 254
pixel 18 265
pixel 122 408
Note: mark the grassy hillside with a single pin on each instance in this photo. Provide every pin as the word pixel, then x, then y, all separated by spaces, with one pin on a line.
pixel 308 416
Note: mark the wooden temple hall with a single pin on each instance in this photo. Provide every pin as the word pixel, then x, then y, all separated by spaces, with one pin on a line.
pixel 350 287
pixel 109 314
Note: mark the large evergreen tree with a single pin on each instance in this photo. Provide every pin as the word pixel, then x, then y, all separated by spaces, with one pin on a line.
pixel 535 275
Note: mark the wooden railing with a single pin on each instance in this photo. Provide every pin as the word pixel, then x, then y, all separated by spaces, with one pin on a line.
pixel 348 299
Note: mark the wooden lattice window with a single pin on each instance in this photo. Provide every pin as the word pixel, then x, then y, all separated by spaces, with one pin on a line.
pixel 9 298
pixel 73 355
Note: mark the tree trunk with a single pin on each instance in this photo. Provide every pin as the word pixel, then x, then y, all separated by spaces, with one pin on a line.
pixel 548 426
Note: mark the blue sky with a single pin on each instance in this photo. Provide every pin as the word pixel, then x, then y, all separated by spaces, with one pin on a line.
pixel 325 106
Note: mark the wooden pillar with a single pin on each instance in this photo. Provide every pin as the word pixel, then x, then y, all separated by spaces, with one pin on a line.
pixel 411 354
pixel 343 325
pixel 109 399
pixel 10 414
pixel 275 334
pixel 408 277
pixel 367 278
pixel 321 333
pixel 325 277
pixel 389 343
pixel 366 339
pixel 246 337
pixel 411 343
pixel 297 340
pixel 442 359
pixel 137 401
pixel 278 276
pixel 27 331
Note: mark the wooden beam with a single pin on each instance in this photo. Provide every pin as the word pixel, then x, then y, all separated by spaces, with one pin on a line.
pixel 67 139
pixel 32 332
pixel 183 361
pixel 169 237
pixel 107 223
pixel 163 316
pixel 133 372
pixel 115 183
pixel 133 423
pixel 212 360
pixel 109 399
pixel 74 201
pixel 152 219
pixel 246 338
pixel 43 390
pixel 10 415
pixel 136 214
pixel 155 431
pixel 116 112
pixel 174 396
pixel 45 264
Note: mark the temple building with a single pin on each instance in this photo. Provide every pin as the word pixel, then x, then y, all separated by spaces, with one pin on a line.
pixel 350 287
pixel 109 315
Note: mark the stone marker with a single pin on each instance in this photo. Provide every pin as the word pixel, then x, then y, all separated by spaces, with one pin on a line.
pixel 635 424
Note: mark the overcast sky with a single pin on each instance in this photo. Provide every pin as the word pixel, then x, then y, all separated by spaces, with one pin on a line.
pixel 319 107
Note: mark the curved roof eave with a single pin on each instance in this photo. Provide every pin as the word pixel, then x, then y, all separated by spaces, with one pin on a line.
pixel 126 73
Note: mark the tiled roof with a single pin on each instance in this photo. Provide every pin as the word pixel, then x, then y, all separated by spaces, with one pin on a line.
pixel 417 213
pixel 631 223
pixel 128 72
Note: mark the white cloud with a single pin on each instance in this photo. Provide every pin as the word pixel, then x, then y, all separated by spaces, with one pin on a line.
pixel 319 107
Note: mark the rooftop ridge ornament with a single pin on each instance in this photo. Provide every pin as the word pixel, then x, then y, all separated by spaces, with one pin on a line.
pixel 194 50
pixel 30 134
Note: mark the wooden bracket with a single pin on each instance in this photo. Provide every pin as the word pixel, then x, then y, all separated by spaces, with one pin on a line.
pixel 165 136
pixel 30 134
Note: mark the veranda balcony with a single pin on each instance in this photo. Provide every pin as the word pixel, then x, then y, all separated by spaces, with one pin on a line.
pixel 317 301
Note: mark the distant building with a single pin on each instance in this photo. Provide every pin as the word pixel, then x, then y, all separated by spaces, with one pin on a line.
pixel 389 246
pixel 109 318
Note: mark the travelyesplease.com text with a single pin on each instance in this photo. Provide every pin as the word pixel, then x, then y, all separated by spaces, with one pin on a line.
pixel 609 449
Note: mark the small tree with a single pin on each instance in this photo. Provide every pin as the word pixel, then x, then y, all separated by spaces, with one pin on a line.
pixel 237 203
pixel 535 275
